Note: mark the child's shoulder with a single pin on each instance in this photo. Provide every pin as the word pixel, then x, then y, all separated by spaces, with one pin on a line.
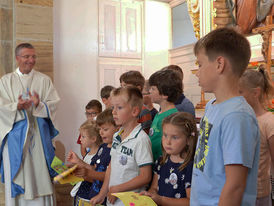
pixel 233 106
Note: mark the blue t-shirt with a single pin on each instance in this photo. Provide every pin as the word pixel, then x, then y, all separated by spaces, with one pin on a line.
pixel 101 160
pixel 172 182
pixel 229 134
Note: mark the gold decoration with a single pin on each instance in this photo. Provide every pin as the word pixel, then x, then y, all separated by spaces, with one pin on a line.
pixel 214 12
pixel 194 13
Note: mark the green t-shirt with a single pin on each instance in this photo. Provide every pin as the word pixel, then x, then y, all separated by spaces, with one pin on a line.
pixel 156 132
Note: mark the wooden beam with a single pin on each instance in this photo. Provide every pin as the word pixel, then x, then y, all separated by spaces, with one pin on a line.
pixel 263 29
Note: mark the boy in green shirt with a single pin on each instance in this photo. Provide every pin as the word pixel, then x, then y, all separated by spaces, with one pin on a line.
pixel 165 89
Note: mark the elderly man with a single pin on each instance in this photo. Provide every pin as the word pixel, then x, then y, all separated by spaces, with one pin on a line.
pixel 27 105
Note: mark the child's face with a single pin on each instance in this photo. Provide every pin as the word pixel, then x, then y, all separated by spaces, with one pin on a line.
pixel 107 131
pixel 173 140
pixel 207 72
pixel 122 111
pixel 91 113
pixel 146 96
pixel 155 96
pixel 86 140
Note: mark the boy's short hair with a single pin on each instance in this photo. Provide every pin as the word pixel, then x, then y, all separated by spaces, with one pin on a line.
pixel 228 43
pixel 175 68
pixel 105 117
pixel 92 130
pixel 134 78
pixel 105 91
pixel 168 82
pixel 133 95
pixel 94 104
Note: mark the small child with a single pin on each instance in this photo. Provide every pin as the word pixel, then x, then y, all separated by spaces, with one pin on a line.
pixel 183 104
pixel 136 79
pixel 147 100
pixel 257 89
pixel 94 172
pixel 90 138
pixel 93 108
pixel 165 88
pixel 227 154
pixel 105 94
pixel 172 173
pixel 131 158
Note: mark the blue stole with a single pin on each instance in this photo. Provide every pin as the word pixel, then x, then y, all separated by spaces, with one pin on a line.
pixel 16 138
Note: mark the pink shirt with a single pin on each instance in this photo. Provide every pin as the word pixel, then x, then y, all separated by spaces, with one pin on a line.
pixel 266 125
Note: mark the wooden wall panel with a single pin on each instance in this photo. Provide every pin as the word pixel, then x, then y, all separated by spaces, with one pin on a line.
pixel 5 24
pixel 6 3
pixel 6 57
pixel 34 22
pixel 48 3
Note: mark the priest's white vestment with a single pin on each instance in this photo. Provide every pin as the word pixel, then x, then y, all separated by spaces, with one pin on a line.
pixel 26 137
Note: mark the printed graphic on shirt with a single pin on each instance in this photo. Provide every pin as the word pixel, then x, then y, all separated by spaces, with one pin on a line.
pixel 202 149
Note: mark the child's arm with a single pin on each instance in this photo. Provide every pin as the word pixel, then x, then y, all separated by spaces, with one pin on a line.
pixel 142 179
pixel 167 201
pixel 233 190
pixel 73 158
pixel 88 173
pixel 98 199
pixel 154 185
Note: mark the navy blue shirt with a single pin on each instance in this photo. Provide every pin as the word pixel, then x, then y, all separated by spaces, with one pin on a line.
pixel 153 112
pixel 183 104
pixel 100 160
pixel 172 182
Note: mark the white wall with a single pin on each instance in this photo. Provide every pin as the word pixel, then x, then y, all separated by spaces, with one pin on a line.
pixel 157 36
pixel 75 66
pixel 183 33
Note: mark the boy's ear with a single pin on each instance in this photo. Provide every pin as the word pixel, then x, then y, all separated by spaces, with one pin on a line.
pixel 135 111
pixel 93 139
pixel 165 97
pixel 139 87
pixel 104 100
pixel 221 61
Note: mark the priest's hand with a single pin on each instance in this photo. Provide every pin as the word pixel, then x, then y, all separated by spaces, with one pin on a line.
pixel 34 98
pixel 23 103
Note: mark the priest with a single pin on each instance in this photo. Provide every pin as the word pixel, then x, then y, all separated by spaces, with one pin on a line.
pixel 28 103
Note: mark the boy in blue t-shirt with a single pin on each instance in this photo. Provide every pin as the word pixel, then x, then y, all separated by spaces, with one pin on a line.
pixel 165 88
pixel 227 153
